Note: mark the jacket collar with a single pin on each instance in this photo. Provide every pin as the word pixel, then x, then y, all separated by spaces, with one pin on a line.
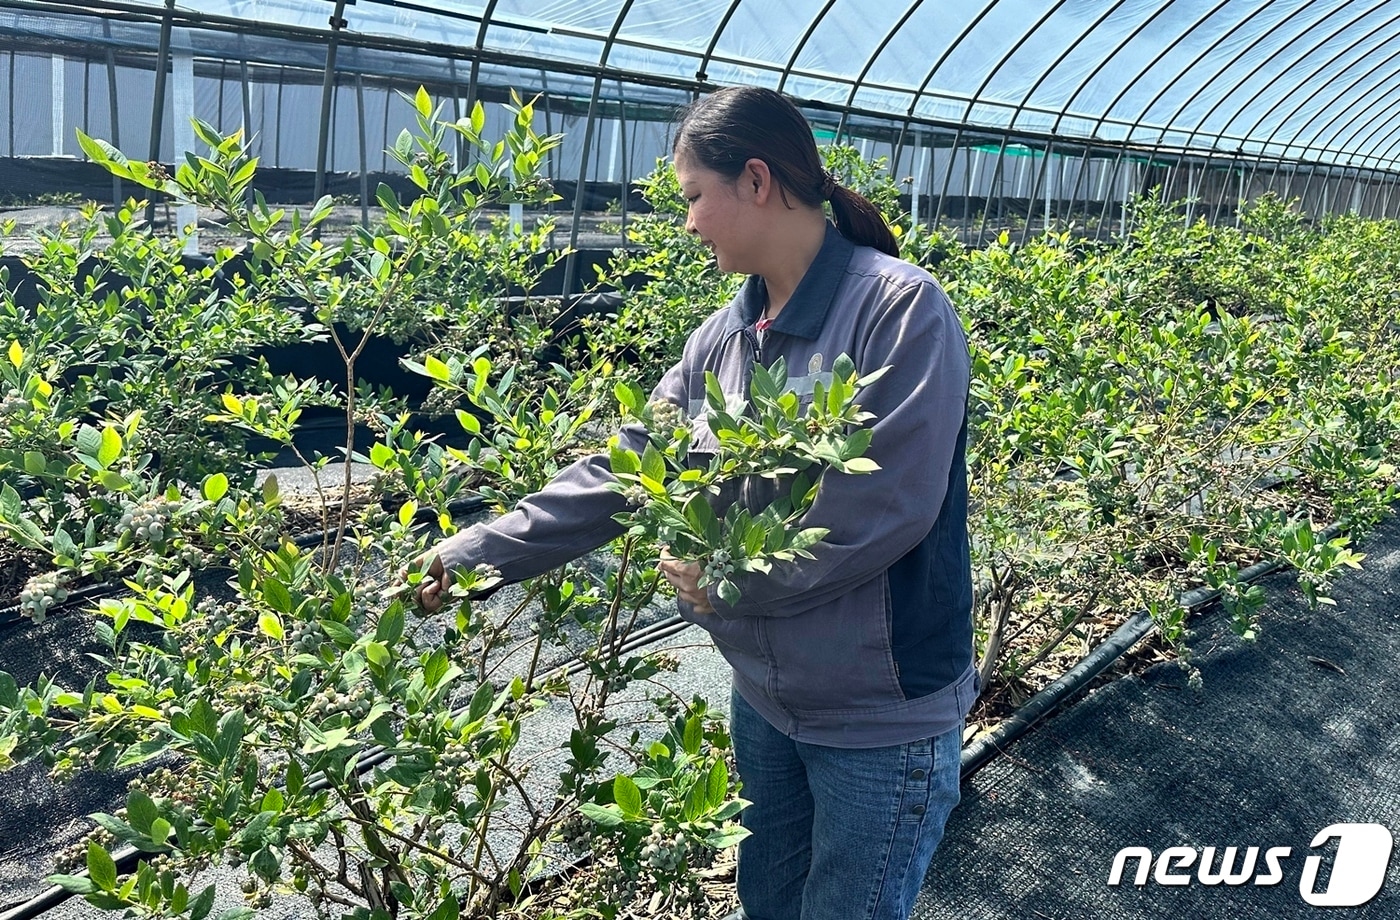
pixel 805 312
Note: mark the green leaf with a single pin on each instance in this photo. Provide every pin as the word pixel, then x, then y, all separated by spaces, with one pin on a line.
pixel 160 831
pixel 861 465
pixel 601 815
pixel 391 624
pixel 35 463
pixel 101 868
pixel 215 487
pixel 435 669
pixel 339 632
pixel 140 810
pixel 695 802
pixel 237 913
pixel 271 626
pixel 653 464
pixel 277 597
pixel 73 884
pixel 726 837
pixel 728 592
pixel 481 703
pixel 628 796
pixel 203 904
pixel 714 393
pixel 694 735
pixel 623 461
pixel 447 910
pixel 114 481
pixel 88 441
pixel 377 653
pixel 437 370
pixel 717 785
pixel 110 448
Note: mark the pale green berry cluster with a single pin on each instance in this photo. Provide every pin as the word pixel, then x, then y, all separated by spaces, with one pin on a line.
pixel 719 566
pixel 665 415
pixel 636 495
pixel 257 896
pixel 306 636
pixel 456 755
pixel 149 521
pixel 41 593
pixel 218 615
pixel 663 850
pixel 14 403
pixel 329 702
pixel 176 791
pixel 75 856
pixel 249 696
pixel 574 833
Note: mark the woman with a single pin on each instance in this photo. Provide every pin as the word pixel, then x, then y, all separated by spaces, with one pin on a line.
pixel 853 671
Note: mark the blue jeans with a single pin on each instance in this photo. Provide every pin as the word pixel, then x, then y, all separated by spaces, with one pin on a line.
pixel 835 833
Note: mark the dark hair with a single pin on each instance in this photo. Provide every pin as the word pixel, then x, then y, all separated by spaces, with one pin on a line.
pixel 731 126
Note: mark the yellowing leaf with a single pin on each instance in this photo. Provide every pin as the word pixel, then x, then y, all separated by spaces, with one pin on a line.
pixel 16 354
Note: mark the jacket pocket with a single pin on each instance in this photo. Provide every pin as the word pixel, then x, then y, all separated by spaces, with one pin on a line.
pixel 837 656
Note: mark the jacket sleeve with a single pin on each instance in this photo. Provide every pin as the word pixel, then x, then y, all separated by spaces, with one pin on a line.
pixel 566 519
pixel 874 519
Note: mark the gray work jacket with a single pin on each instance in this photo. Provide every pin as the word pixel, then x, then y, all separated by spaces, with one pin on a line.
pixel 870 643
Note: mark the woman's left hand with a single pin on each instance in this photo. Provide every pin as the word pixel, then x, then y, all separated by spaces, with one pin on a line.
pixel 685 578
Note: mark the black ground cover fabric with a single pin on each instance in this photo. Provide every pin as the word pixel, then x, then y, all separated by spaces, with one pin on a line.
pixel 1274 747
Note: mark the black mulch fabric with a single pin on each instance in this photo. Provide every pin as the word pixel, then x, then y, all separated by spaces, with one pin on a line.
pixel 1275 747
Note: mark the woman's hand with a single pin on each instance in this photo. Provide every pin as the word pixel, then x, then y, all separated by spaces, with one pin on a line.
pixel 685 578
pixel 428 592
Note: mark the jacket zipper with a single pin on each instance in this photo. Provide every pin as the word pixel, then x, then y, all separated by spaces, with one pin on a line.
pixel 755 358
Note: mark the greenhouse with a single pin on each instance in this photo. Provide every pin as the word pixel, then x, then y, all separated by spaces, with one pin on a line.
pixel 416 480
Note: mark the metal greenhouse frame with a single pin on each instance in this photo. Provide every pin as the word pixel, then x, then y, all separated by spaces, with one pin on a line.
pixel 1000 113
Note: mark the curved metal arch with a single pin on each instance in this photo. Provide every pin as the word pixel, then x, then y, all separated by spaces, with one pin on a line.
pixel 1308 79
pixel 870 63
pixel 1389 155
pixel 571 261
pixel 701 73
pixel 1167 49
pixel 1209 84
pixel 928 78
pixel 802 43
pixel 1137 122
pixel 1069 103
pixel 977 94
pixel 1318 44
pixel 1348 90
pixel 1042 174
pixel 1380 124
pixel 1045 75
pixel 1375 120
pixel 1250 131
pixel 475 75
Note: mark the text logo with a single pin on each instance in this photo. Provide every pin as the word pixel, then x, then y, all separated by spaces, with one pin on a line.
pixel 1358 868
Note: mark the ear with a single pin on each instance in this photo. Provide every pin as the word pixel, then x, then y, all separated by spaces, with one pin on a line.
pixel 757 179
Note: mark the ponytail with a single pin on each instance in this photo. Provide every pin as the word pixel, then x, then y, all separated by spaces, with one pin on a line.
pixel 861 222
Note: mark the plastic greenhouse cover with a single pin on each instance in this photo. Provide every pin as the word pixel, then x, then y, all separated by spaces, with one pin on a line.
pixel 1314 79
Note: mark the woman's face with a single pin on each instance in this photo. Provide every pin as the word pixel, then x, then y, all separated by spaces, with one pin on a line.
pixel 716 213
